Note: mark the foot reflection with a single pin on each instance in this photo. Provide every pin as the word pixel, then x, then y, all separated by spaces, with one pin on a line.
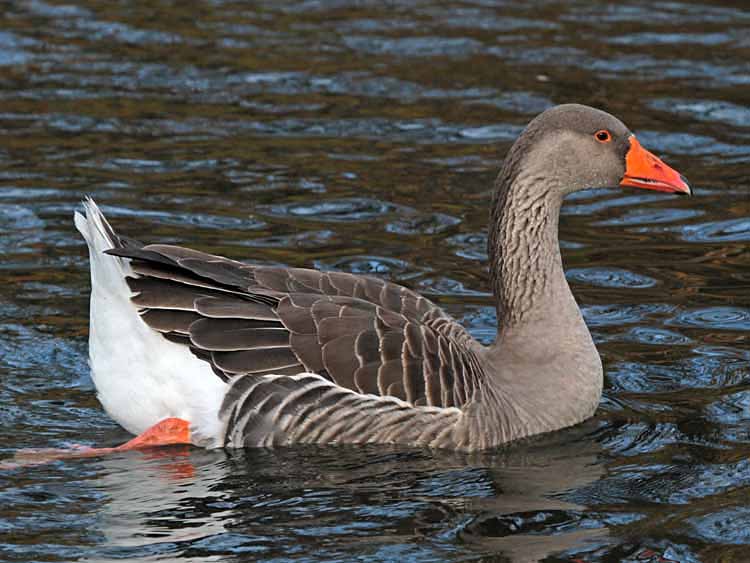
pixel 160 495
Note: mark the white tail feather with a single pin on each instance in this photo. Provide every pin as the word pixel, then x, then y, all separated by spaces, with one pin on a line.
pixel 141 377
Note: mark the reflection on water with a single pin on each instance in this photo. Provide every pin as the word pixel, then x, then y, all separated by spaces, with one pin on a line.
pixel 363 137
pixel 374 502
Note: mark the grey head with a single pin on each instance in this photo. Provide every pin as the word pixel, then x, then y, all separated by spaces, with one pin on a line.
pixel 570 147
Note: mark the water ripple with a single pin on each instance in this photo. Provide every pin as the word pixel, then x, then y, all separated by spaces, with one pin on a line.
pixel 370 265
pixel 705 110
pixel 414 46
pixel 647 38
pixel 656 336
pixel 103 30
pixel 732 415
pixel 333 210
pixel 203 220
pixel 20 228
pixel 609 277
pixel 694 146
pixel 536 522
pixel 619 314
pixel 427 224
pixel 447 286
pixel 12 49
pixel 667 13
pixel 305 239
pixel 500 132
pixel 640 438
pixel 50 10
pixel 605 203
pixel 472 246
pixel 729 526
pixel 645 216
pixel 708 480
pixel 721 318
pixel 718 231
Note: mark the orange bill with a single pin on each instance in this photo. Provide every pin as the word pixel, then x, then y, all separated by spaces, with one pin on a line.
pixel 645 170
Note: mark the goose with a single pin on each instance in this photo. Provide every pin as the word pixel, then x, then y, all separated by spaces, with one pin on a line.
pixel 188 347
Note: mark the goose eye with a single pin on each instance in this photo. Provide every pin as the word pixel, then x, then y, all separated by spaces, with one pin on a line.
pixel 603 136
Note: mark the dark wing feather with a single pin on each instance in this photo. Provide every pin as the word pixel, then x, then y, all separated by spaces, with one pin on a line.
pixel 227 308
pixel 360 332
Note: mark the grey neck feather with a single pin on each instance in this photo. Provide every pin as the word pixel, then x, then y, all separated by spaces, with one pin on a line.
pixel 525 263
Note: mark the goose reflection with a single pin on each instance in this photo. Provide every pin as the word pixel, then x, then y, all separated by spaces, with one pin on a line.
pixel 344 502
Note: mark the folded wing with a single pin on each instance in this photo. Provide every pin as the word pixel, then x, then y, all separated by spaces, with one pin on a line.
pixel 359 332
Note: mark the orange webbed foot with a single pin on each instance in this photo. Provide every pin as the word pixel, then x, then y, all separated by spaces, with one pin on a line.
pixel 167 432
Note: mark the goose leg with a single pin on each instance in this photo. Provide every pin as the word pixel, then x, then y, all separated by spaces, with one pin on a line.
pixel 168 432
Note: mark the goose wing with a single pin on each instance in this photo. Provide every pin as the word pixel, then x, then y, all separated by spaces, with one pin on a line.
pixel 359 332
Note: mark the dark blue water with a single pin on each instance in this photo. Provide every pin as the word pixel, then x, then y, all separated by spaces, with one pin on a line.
pixel 363 136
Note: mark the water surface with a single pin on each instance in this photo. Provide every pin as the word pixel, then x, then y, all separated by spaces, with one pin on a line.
pixel 364 137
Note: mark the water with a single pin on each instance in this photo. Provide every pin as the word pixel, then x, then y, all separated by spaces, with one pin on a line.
pixel 365 137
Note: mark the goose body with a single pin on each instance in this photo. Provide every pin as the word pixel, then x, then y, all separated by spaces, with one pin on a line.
pixel 247 355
